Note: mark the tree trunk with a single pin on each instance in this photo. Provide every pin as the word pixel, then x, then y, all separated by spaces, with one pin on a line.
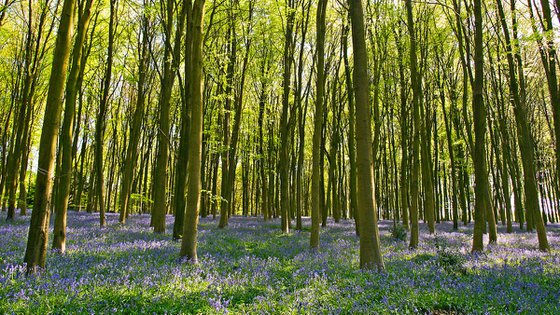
pixel 370 251
pixel 318 126
pixel 36 249
pixel 415 154
pixel 183 154
pixel 65 177
pixel 524 136
pixel 482 202
pixel 190 229
pixel 284 125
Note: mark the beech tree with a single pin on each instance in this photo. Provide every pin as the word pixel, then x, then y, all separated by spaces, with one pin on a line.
pixel 36 250
pixel 370 251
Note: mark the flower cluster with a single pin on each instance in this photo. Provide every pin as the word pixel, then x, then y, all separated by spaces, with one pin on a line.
pixel 250 267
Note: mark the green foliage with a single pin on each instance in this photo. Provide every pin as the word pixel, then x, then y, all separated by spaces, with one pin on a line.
pixel 449 259
pixel 398 232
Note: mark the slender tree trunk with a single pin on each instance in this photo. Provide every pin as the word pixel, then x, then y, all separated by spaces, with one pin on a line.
pixel 548 56
pixel 318 125
pixel 65 175
pixel 101 117
pixel 351 131
pixel 172 56
pixel 190 229
pixel 230 72
pixel 284 125
pixel 370 251
pixel 416 104
pixel 482 202
pixel 183 156
pixel 524 137
pixel 405 142
pixel 35 253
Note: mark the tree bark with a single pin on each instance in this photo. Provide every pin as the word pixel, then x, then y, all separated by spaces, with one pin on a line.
pixel 482 202
pixel 65 177
pixel 190 229
pixel 35 253
pixel 370 251
pixel 318 126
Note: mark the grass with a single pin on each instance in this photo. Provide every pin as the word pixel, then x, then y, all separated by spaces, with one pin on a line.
pixel 251 268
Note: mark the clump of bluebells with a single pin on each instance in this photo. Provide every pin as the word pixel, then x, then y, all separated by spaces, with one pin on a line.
pixel 251 268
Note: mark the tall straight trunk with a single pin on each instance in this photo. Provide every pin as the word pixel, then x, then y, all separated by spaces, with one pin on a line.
pixel 504 169
pixel 453 171
pixel 190 229
pixel 131 157
pixel 318 126
pixel 14 160
pixel 230 72
pixel 5 137
pixel 302 113
pixel 283 162
pixel 172 57
pixel 324 194
pixel 35 253
pixel 101 117
pixel 370 251
pixel 261 149
pixel 183 156
pixel 22 198
pixel 334 179
pixel 65 177
pixel 548 57
pixel 405 156
pixel 25 98
pixel 482 202
pixel 524 136
pixel 351 131
pixel 415 154
pixel 82 164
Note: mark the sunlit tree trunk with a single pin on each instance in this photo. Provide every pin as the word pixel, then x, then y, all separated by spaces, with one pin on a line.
pixel 318 126
pixel 482 202
pixel 415 154
pixel 64 177
pixel 183 156
pixel 370 251
pixel 351 131
pixel 35 253
pixel 190 229
pixel 102 116
pixel 283 162
pixel 172 56
pixel 524 136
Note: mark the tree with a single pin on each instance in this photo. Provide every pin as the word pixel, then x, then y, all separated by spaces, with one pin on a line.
pixel 190 231
pixel 370 251
pixel 318 125
pixel 172 57
pixel 35 253
pixel 284 125
pixel 482 202
pixel 524 136
pixel 63 193
pixel 416 96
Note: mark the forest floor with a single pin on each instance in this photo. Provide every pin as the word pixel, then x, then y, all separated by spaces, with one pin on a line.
pixel 251 268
